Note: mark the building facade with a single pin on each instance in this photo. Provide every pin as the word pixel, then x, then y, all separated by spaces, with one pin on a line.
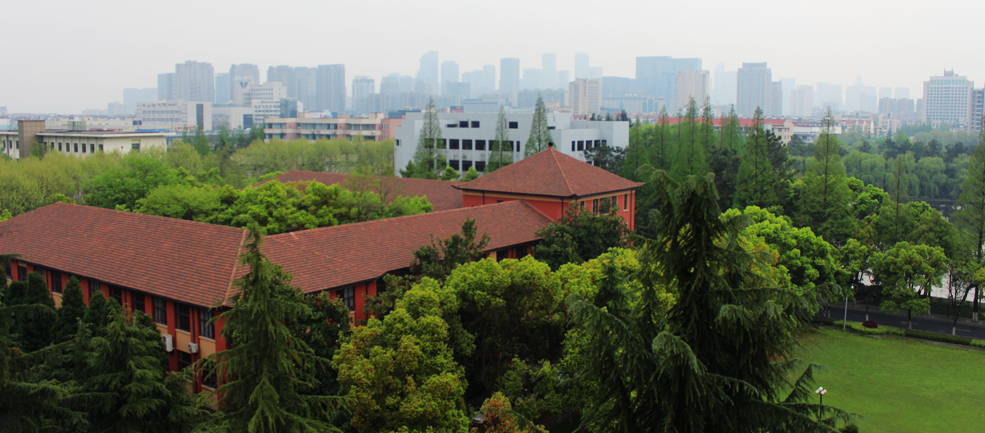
pixel 948 98
pixel 753 89
pixel 585 96
pixel 194 81
pixel 509 78
pixel 691 85
pixel 176 115
pixel 81 143
pixel 372 127
pixel 330 88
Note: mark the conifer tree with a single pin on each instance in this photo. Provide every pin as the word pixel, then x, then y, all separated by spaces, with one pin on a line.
pixel 756 175
pixel 97 315
pixel 501 149
pixel 824 202
pixel 35 332
pixel 268 369
pixel 636 152
pixel 469 175
pixel 690 157
pixel 707 126
pixel 540 135
pixel 429 158
pixel 72 310
pixel 663 148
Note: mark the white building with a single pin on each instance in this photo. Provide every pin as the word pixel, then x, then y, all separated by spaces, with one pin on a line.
pixel 83 143
pixel 271 91
pixel 467 137
pixel 585 96
pixel 948 98
pixel 176 115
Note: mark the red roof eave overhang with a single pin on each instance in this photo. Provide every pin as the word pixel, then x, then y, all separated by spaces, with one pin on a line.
pixel 633 188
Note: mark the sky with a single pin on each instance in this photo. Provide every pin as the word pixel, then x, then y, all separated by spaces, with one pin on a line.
pixel 65 56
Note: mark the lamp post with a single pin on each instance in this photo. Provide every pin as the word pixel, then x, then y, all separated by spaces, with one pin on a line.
pixel 820 391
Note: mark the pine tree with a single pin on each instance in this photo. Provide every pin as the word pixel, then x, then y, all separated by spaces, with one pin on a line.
pixel 501 149
pixel 824 202
pixel 35 332
pixel 97 316
pixel 663 148
pixel 540 135
pixel 72 310
pixel 707 127
pixel 690 158
pixel 267 369
pixel 429 158
pixel 636 153
pixel 756 174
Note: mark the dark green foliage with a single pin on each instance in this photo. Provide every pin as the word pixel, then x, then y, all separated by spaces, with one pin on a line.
pixel 323 331
pixel 823 203
pixel 72 310
pixel 444 255
pixel 690 157
pixel 579 236
pixel 97 316
pixel 608 158
pixel 756 176
pixel 126 388
pixel 268 370
pixel 34 332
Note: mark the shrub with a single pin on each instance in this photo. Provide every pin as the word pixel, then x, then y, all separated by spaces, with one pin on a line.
pixel 859 328
pixel 825 321
pixel 978 343
pixel 953 339
pixel 850 428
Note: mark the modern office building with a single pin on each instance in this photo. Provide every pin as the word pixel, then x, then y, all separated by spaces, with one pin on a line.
pixel 76 140
pixel 948 98
pixel 175 115
pixel 305 84
pixel 222 88
pixel 977 109
pixel 449 72
pixel 362 87
pixel 241 78
pixel 374 127
pixel 509 78
pixel 585 96
pixel 548 76
pixel 691 85
pixel 285 75
pixel 165 86
pixel 802 101
pixel 898 108
pixel 753 89
pixel 131 97
pixel 776 99
pixel 657 76
pixel 330 88
pixel 553 98
pixel 194 81
pixel 427 73
pixel 581 65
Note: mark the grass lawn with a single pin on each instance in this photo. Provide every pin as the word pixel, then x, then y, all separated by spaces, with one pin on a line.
pixel 898 385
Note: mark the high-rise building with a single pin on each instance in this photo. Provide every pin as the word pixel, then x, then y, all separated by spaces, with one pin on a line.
pixel 753 85
pixel 165 86
pixel 362 87
pixel 449 72
pixel 948 98
pixel 285 75
pixel 724 91
pixel 776 99
pixel 548 76
pixel 902 93
pixel 828 95
pixel 222 88
pixel 509 78
pixel 330 88
pixel 241 77
pixel 789 86
pixel 563 78
pixel 977 109
pixel 194 81
pixel 305 85
pixel 581 65
pixel 859 97
pixel 691 85
pixel 802 101
pixel 530 79
pixel 901 108
pixel 390 84
pixel 132 97
pixel 657 76
pixel 428 72
pixel 586 96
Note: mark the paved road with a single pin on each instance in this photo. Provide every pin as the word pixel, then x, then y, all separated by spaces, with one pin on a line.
pixel 976 331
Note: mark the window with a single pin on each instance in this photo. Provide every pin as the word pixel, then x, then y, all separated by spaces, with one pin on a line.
pixel 100 147
pixel 93 286
pixel 466 144
pixel 59 147
pixel 480 166
pixel 520 252
pixel 135 146
pixel 348 296
pixel 451 125
pixel 209 378
pixel 161 311
pixel 613 203
pixel 453 143
pixel 76 147
pixel 625 202
pixel 581 145
pixel 514 125
pixel 463 123
pixel 466 165
pixel 480 144
pixel 83 148
pixel 453 163
pixel 56 282
pixel 475 123
pixel 205 329
pixel 397 142
pixel 116 293
pixel 92 148
pixel 138 302
pixel 22 273
pixel 596 144
pixel 572 146
pixel 582 205
pixel 184 317
pixel 6 271
pixel 595 206
pixel 184 360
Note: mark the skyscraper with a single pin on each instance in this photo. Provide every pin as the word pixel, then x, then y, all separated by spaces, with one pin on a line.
pixel 657 76
pixel 789 86
pixel 362 88
pixel 548 75
pixel 828 95
pixel 509 77
pixel 691 84
pixel 194 81
pixel 305 86
pixel 222 88
pixel 330 88
pixel 948 98
pixel 284 75
pixel 586 96
pixel 753 85
pixel 241 77
pixel 724 91
pixel 802 101
pixel 581 65
pixel 165 86
pixel 449 72
pixel 429 71
pixel 776 100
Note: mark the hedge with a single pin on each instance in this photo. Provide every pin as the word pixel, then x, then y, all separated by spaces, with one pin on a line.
pixel 953 339
pixel 857 328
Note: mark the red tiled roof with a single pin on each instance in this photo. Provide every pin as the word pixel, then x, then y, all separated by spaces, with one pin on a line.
pixel 441 194
pixel 177 259
pixel 550 173
pixel 335 256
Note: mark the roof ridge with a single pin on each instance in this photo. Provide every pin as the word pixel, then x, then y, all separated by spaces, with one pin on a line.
pixel 232 276
pixel 137 215
pixel 564 176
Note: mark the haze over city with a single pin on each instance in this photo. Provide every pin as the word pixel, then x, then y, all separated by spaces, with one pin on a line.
pixel 65 57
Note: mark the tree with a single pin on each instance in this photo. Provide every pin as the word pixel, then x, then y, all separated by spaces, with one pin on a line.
pixel 139 174
pixel 72 310
pixel 429 158
pixel 971 217
pixel 824 201
pixel 35 332
pixel 663 149
pixel 501 148
pixel 579 236
pixel 690 158
pixel 756 173
pixel 201 143
pixel 679 365
pixel 438 259
pixel 498 416
pixel 469 175
pixel 608 158
pixel 268 369
pixel 907 273
pixel 449 174
pixel 400 372
pixel 540 134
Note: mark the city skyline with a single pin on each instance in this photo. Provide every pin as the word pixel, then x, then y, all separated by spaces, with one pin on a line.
pixel 727 34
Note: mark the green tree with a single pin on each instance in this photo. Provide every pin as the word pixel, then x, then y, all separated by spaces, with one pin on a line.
pixel 540 134
pixel 72 310
pixel 201 143
pixel 907 273
pixel 123 186
pixel 266 372
pixel 971 216
pixel 579 236
pixel 429 158
pixel 35 332
pixel 438 259
pixel 663 149
pixel 608 158
pixel 501 148
pixel 690 157
pixel 449 174
pixel 469 175
pixel 824 201
pixel 756 173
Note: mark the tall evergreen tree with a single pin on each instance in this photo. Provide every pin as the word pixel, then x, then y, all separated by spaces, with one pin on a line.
pixel 707 129
pixel 971 202
pixel 35 332
pixel 756 174
pixel 72 310
pixel 540 135
pixel 501 148
pixel 268 369
pixel 690 158
pixel 663 148
pixel 637 151
pixel 824 201
pixel 429 158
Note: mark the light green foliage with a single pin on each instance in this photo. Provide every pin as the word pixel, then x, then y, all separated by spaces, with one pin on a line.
pixel 133 180
pixel 690 156
pixel 429 158
pixel 583 279
pixel 335 156
pixel 449 174
pixel 580 235
pixel 400 372
pixel 540 135
pixel 867 167
pixel 859 329
pixel 501 147
pixel 195 203
pixel 907 273
pixel 5 215
pixel 470 175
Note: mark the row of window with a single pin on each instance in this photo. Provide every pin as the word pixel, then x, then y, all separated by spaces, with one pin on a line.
pixel 605 203
pixel 74 147
pixel 466 164
pixel 12 143
pixel 586 144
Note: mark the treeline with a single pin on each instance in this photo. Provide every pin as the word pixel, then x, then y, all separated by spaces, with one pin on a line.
pixel 113 179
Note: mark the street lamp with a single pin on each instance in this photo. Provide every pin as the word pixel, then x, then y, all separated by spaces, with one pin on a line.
pixel 820 391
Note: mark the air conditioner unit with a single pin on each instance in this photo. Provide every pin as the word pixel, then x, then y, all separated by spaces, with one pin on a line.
pixel 168 342
pixel 192 348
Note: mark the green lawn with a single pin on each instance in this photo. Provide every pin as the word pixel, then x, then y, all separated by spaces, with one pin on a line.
pixel 900 386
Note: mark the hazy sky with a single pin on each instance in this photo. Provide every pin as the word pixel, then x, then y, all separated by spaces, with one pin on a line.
pixel 64 56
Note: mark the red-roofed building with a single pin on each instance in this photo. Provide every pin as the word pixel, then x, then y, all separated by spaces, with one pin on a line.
pixel 181 272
